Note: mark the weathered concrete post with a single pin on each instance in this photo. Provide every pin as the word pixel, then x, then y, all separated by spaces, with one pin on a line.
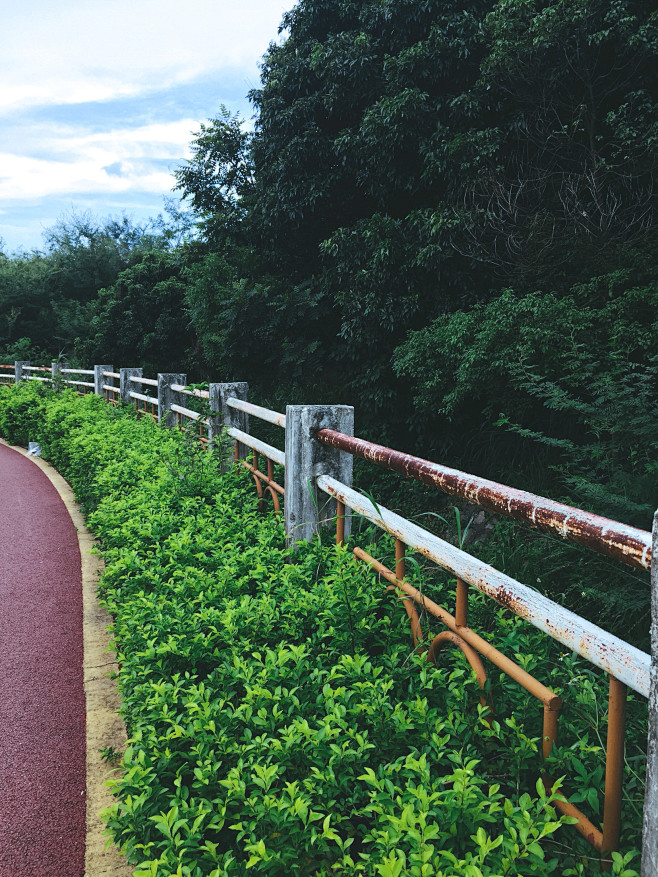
pixel 224 417
pixel 99 380
pixel 306 508
pixel 125 384
pixel 168 397
pixel 56 372
pixel 18 369
pixel 650 820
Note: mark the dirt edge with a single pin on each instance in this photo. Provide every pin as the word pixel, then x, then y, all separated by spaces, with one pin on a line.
pixel 105 728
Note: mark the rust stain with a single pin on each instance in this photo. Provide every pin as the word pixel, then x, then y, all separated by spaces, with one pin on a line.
pixel 610 538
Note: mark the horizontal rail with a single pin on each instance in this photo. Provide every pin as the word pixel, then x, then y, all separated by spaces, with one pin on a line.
pixel 536 688
pixel 267 414
pixel 200 394
pixel 611 654
pixel 12 367
pixel 610 538
pixel 111 375
pixel 142 398
pixel 36 378
pixel 83 384
pixel 244 438
pixel 137 380
pixel 187 412
pixel 110 389
pixel 35 368
pixel 77 371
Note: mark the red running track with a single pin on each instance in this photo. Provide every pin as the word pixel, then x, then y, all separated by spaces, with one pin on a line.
pixel 42 703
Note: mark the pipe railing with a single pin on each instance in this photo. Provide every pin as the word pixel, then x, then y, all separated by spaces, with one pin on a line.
pixel 625 665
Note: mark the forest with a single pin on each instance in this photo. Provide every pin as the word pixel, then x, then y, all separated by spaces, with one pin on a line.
pixel 443 214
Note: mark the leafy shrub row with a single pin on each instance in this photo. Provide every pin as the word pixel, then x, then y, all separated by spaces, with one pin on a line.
pixel 278 719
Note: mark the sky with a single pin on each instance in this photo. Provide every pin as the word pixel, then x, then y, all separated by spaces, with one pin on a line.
pixel 99 100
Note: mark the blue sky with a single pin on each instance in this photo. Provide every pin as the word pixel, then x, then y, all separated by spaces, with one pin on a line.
pixel 99 100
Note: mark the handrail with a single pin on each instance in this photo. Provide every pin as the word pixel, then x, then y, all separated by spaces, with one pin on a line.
pixel 36 378
pixel 138 380
pixel 275 417
pixel 111 375
pixel 77 371
pixel 266 450
pixel 35 368
pixel 611 654
pixel 152 400
pixel 610 538
pixel 84 384
pixel 181 388
pixel 187 412
pixel 110 389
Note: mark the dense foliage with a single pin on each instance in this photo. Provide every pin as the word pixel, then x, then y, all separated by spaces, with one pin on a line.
pixel 445 215
pixel 278 717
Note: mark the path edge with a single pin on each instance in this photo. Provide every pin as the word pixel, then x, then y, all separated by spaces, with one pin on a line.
pixel 104 726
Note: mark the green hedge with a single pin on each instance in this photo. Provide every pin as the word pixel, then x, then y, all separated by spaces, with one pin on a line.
pixel 278 719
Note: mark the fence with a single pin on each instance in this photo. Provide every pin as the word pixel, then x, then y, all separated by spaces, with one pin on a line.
pixel 317 491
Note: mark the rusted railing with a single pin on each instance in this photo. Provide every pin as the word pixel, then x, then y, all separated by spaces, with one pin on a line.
pixel 187 414
pixel 149 404
pixel 624 664
pixel 7 373
pixel 628 544
pixel 264 481
pixel 80 387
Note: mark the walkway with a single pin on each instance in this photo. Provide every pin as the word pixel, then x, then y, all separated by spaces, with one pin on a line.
pixel 42 702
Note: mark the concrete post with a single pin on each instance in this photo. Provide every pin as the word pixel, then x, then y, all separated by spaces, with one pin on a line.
pixel 306 508
pixel 650 819
pixel 99 380
pixel 167 397
pixel 56 373
pixel 18 369
pixel 223 417
pixel 126 385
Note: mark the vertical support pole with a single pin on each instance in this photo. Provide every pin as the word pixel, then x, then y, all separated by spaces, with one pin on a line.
pixel 550 727
pixel 650 819
pixel 99 380
pixel 461 604
pixel 614 769
pixel 18 369
pixel 125 384
pixel 168 397
pixel 224 417
pixel 340 523
pixel 306 508
pixel 400 551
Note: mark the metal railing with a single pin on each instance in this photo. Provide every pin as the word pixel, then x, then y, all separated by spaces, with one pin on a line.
pixel 626 666
pixel 265 482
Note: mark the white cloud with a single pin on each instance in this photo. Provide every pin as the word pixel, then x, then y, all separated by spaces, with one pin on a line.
pixel 76 50
pixel 80 163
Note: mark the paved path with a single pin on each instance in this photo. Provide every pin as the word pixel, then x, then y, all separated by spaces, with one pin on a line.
pixel 42 703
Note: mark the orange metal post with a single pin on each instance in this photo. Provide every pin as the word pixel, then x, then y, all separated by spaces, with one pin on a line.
pixel 340 523
pixel 461 604
pixel 614 768
pixel 400 549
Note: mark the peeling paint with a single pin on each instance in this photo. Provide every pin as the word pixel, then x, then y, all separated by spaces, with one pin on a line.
pixel 630 545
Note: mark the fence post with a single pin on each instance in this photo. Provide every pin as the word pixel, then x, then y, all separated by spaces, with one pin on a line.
pixel 56 372
pixel 223 417
pixel 650 819
pixel 306 508
pixel 167 397
pixel 125 385
pixel 99 380
pixel 18 369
